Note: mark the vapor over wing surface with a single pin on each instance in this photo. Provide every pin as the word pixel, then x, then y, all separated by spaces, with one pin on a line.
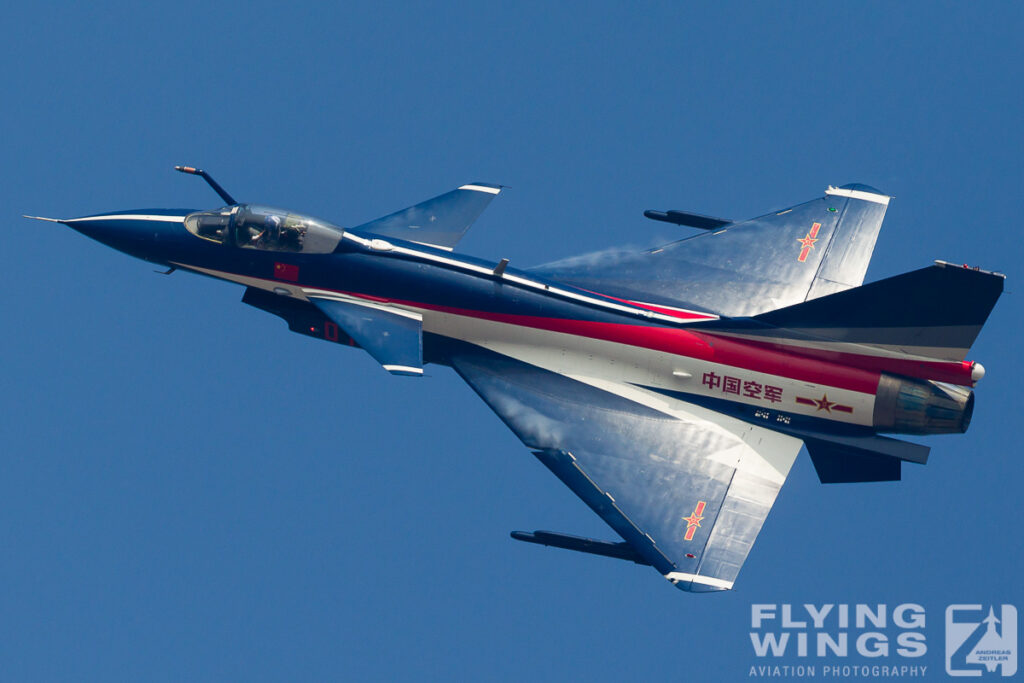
pixel 688 491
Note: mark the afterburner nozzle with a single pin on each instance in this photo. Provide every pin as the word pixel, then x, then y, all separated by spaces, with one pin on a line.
pixel 911 406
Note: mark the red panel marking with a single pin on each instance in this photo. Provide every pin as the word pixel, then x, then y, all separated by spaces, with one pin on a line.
pixel 856 372
pixel 824 404
pixel 808 242
pixel 954 372
pixel 286 271
pixel 681 342
pixel 849 371
pixel 693 521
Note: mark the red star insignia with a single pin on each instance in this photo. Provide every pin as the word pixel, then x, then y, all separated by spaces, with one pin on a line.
pixel 807 242
pixel 693 521
pixel 824 404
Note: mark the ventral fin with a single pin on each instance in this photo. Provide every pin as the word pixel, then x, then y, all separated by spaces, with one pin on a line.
pixel 393 336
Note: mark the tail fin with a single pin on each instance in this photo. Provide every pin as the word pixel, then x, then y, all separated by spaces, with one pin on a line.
pixel 935 312
pixel 809 250
pixel 439 222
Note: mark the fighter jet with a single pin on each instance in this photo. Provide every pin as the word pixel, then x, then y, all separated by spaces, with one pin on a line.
pixel 670 389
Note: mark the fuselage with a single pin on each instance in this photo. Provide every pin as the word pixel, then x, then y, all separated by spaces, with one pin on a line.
pixel 672 358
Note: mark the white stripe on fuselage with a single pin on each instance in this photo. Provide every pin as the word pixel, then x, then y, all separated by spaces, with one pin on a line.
pixel 266 285
pixel 385 247
pixel 403 311
pixel 129 217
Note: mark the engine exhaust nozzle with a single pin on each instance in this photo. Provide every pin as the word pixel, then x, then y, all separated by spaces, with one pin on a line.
pixel 911 406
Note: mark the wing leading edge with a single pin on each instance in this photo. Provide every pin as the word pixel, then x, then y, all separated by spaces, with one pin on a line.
pixel 687 491
pixel 783 258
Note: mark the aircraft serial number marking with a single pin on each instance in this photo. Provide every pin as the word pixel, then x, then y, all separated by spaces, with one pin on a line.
pixel 767 416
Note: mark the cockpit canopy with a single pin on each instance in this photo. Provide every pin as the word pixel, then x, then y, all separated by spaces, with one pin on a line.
pixel 260 227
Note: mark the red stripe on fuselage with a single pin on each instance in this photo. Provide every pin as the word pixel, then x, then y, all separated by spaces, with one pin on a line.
pixel 697 345
pixel 954 372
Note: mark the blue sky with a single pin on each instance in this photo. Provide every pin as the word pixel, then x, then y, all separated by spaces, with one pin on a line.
pixel 189 491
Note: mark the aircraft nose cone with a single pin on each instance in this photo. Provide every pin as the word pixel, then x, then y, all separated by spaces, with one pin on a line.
pixel 134 234
pixel 105 230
